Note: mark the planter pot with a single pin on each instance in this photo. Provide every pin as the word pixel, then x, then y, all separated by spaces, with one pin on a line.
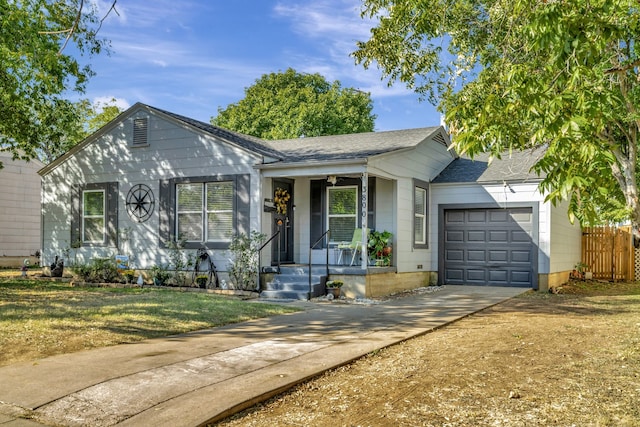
pixel 334 291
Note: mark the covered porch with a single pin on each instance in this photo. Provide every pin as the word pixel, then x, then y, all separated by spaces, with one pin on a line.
pixel 322 223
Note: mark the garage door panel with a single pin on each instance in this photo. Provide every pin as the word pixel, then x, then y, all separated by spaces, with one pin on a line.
pixel 522 217
pixel 454 255
pixel 521 256
pixel 489 247
pixel 520 236
pixel 521 277
pixel 476 275
pixel 498 277
pixel 454 217
pixel 476 216
pixel 498 256
pixel 476 236
pixel 454 236
pixel 499 236
pixel 476 255
pixel 454 276
pixel 498 216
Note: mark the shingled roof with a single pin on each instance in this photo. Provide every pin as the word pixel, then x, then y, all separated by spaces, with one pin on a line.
pixel 515 166
pixel 248 142
pixel 352 146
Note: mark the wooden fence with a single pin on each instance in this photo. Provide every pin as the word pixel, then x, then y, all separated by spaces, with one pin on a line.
pixel 608 252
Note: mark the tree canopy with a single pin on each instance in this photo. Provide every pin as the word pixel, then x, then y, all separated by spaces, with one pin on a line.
pixel 561 75
pixel 290 105
pixel 37 75
pixel 64 131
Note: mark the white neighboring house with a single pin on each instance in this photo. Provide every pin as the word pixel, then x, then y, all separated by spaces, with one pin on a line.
pixel 151 175
pixel 20 218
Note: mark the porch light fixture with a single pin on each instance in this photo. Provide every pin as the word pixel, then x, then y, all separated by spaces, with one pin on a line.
pixel 332 179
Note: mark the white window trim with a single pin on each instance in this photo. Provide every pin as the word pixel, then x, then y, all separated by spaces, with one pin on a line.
pixel 329 216
pixel 103 216
pixel 422 216
pixel 207 211
pixel 200 211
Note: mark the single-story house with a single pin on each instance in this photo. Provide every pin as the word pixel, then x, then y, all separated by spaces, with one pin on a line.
pixel 151 175
pixel 19 210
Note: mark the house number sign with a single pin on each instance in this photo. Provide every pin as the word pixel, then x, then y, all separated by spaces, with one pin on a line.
pixel 140 203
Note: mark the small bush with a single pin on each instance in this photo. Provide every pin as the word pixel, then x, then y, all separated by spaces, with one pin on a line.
pixel 244 268
pixel 99 270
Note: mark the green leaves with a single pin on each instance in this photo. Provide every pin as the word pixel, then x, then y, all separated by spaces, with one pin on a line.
pixel 557 74
pixel 36 74
pixel 291 105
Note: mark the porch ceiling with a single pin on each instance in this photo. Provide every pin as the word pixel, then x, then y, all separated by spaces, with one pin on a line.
pixel 313 169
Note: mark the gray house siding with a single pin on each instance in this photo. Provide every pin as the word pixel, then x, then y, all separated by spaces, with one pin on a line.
pixel 174 152
pixel 19 209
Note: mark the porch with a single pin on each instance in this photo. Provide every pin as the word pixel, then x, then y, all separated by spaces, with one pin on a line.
pixel 296 281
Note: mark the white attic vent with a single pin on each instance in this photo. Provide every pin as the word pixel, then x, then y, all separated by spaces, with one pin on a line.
pixel 440 139
pixel 140 131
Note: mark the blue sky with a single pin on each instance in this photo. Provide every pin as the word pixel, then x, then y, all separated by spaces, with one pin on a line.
pixel 193 56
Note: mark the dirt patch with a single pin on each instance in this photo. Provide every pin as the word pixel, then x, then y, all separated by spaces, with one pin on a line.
pixel 571 358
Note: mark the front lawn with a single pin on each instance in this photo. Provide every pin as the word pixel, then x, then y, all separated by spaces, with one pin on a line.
pixel 40 319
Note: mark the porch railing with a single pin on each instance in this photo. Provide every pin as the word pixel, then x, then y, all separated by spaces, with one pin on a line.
pixel 325 234
pixel 276 234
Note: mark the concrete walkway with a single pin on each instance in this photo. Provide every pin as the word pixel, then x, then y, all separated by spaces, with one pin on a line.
pixel 200 377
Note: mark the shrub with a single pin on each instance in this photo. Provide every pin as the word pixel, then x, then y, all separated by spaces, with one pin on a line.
pixel 244 268
pixel 99 270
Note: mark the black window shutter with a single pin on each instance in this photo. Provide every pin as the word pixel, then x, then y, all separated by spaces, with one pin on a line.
pixel 243 196
pixel 166 227
pixel 111 191
pixel 371 204
pixel 317 204
pixel 76 213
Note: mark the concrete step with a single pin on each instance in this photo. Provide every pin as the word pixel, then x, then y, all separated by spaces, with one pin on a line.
pixel 293 283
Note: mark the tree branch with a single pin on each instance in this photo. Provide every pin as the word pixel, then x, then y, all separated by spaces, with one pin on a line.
pixel 73 28
pixel 617 70
pixel 113 7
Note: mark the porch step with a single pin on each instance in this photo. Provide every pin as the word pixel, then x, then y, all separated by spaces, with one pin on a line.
pixel 293 283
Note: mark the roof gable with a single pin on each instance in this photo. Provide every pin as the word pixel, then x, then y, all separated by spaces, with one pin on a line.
pixel 515 166
pixel 354 146
pixel 245 142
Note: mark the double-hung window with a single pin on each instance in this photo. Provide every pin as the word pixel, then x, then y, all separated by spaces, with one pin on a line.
pixel 420 202
pixel 93 216
pixel 342 212
pixel 205 211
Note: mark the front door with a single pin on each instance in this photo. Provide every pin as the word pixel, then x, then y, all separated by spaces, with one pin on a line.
pixel 283 221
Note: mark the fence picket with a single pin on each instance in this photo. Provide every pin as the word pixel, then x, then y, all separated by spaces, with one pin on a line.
pixel 608 252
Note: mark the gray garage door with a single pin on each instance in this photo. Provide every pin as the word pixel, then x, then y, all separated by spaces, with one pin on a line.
pixel 489 247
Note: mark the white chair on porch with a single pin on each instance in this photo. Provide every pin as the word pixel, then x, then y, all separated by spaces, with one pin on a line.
pixel 355 246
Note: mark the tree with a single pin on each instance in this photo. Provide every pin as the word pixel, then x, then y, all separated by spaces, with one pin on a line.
pixel 291 105
pixel 36 73
pixel 63 131
pixel 102 113
pixel 561 75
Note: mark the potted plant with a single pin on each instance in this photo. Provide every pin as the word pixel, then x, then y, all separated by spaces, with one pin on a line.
pixel 333 287
pixel 201 281
pixel 160 274
pixel 129 275
pixel 380 247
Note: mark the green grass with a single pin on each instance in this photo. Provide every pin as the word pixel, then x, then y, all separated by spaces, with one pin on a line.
pixel 39 319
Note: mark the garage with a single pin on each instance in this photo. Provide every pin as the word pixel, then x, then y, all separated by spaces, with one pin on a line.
pixel 489 247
